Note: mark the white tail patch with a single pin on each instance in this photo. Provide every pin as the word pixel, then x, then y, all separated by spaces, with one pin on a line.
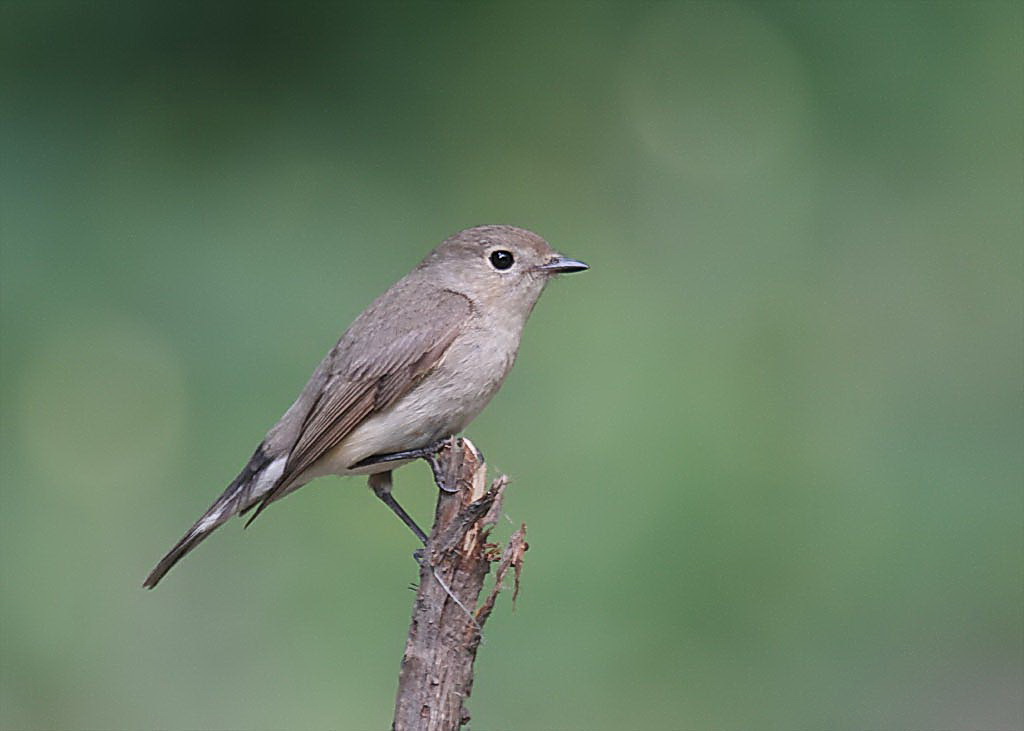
pixel 260 486
pixel 210 521
pixel 268 478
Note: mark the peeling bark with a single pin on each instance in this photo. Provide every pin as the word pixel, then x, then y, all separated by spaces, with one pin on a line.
pixel 437 669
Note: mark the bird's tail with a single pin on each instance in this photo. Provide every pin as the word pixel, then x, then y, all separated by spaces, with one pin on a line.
pixel 259 477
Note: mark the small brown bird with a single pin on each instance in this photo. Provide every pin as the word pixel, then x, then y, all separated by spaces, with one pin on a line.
pixel 413 369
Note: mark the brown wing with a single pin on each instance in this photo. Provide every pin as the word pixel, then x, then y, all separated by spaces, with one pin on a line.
pixel 349 398
pixel 385 352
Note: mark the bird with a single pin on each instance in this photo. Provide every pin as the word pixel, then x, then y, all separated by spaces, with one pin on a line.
pixel 412 370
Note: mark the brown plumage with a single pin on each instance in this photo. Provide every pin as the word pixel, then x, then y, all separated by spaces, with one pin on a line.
pixel 416 366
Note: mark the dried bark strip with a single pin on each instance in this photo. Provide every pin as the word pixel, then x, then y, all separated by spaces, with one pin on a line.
pixel 437 668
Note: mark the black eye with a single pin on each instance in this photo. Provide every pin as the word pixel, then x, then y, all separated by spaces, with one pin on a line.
pixel 501 259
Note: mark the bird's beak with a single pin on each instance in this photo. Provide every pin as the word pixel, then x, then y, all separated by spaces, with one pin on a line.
pixel 562 265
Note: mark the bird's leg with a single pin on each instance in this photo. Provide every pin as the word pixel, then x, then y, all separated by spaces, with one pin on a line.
pixel 380 483
pixel 428 453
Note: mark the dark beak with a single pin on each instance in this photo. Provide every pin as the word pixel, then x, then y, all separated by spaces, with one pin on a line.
pixel 563 265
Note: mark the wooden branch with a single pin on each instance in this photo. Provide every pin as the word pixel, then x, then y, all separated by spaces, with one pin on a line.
pixel 437 668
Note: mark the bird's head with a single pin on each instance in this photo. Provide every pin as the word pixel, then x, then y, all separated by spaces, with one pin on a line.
pixel 495 263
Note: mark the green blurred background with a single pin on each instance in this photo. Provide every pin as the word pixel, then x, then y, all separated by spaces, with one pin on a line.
pixel 769 448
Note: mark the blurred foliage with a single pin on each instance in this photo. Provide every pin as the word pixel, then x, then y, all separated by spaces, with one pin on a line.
pixel 769 448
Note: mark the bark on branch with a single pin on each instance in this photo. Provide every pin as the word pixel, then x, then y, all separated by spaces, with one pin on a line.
pixel 437 668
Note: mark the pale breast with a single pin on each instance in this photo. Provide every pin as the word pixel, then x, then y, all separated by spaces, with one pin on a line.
pixel 443 403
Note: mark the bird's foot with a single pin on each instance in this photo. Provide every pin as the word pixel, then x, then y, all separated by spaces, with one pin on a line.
pixel 447 481
pixel 430 453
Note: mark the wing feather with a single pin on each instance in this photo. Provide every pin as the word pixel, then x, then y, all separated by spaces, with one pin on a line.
pixel 376 362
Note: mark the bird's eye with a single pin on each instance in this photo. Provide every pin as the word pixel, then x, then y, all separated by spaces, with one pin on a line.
pixel 501 259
